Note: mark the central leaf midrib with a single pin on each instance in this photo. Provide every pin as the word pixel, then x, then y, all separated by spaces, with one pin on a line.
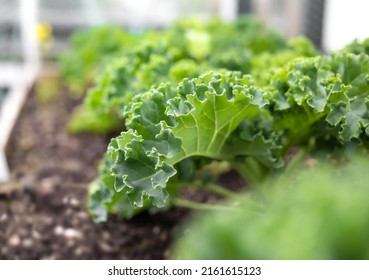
pixel 215 155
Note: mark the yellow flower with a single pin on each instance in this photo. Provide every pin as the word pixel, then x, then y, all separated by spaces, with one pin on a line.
pixel 44 35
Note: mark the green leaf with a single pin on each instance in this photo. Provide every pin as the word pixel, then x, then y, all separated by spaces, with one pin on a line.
pixel 111 85
pixel 90 49
pixel 357 47
pixel 139 173
pixel 354 117
pixel 88 120
pixel 256 138
pixel 318 213
pixel 214 116
pixel 167 127
pixel 351 112
pixel 305 84
pixel 313 94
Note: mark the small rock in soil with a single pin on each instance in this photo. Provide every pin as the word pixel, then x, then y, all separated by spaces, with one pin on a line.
pixel 72 233
pixel 58 230
pixel 74 202
pixel 106 247
pixel 27 243
pixel 47 186
pixel 3 217
pixel 36 234
pixel 14 240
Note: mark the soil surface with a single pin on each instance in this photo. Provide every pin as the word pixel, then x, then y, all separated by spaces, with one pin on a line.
pixel 42 208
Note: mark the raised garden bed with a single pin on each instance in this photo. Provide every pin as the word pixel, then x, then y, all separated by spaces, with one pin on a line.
pixel 15 81
pixel 42 209
pixel 296 129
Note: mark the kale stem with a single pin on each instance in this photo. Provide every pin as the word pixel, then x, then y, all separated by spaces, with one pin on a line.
pixel 222 191
pixel 250 170
pixel 200 206
pixel 295 161
pixel 217 189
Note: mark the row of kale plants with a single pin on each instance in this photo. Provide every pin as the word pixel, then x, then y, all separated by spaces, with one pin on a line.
pixel 203 97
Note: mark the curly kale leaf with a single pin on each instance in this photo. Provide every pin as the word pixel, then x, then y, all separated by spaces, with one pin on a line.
pixel 167 126
pixel 358 47
pixel 90 49
pixel 321 93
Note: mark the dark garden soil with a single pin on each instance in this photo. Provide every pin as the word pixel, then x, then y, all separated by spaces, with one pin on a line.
pixel 42 208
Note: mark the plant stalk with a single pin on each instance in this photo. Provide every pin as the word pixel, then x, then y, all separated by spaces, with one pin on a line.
pixel 200 206
pixel 222 191
pixel 250 170
pixel 295 161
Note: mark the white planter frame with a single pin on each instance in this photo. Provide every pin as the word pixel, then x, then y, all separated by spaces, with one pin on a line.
pixel 18 78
